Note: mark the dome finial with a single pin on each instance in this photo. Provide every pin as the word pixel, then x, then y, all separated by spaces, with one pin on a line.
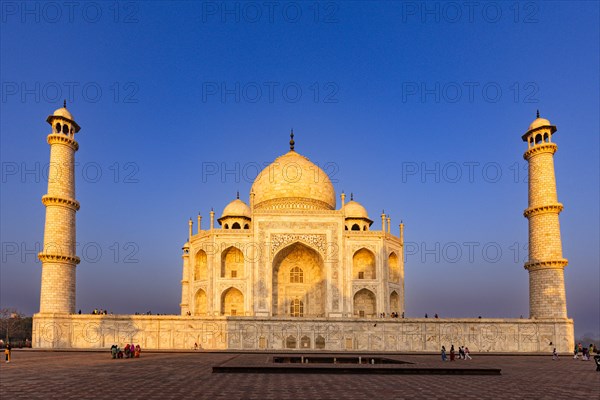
pixel 292 143
pixel 238 195
pixel 537 115
pixel 351 196
pixel 65 103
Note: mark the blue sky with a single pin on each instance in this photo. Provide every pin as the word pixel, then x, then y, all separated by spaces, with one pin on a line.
pixel 417 108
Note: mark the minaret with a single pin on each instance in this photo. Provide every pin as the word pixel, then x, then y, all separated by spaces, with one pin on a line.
pixel 58 255
pixel 546 264
pixel 185 283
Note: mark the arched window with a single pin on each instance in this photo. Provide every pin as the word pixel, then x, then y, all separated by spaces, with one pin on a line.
pixel 305 342
pixel 355 227
pixel 246 226
pixel 346 227
pixel 236 226
pixel 320 342
pixel 296 275
pixel 538 138
pixel 297 308
pixel 364 228
pixel 290 342
pixel 226 226
pixel 546 137
pixel 58 127
pixel 66 129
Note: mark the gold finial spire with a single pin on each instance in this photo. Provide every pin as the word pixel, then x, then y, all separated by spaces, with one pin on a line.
pixel 537 115
pixel 238 195
pixel 292 143
pixel 65 103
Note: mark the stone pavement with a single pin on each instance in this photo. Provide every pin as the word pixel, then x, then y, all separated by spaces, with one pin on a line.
pixel 94 375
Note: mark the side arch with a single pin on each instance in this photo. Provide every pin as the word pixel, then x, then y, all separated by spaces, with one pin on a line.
pixel 365 303
pixel 363 265
pixel 394 267
pixel 232 263
pixel 395 302
pixel 232 302
pixel 201 266
pixel 200 303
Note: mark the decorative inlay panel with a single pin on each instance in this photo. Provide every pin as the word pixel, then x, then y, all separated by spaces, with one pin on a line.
pixel 318 242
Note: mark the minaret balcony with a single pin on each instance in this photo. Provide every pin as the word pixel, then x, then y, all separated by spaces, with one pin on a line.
pixel 546 264
pixel 58 258
pixel 57 138
pixel 48 200
pixel 549 208
pixel 539 149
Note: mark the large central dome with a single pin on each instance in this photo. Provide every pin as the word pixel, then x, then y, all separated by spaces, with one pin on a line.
pixel 292 181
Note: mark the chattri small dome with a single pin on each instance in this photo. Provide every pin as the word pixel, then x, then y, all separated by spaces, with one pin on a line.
pixel 237 208
pixel 63 112
pixel 353 209
pixel 539 122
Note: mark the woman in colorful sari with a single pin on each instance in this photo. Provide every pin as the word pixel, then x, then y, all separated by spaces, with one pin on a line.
pixel 127 350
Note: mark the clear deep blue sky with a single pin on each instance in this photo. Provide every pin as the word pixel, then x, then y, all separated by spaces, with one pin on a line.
pixel 416 108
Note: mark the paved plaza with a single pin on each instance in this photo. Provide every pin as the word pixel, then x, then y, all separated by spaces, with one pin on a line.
pixel 188 375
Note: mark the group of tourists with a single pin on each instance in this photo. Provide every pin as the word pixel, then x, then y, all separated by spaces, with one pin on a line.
pixel 98 311
pixel 586 352
pixel 391 315
pixel 130 351
pixel 463 353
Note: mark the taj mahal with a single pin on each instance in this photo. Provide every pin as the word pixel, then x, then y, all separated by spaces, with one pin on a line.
pixel 293 253
pixel 292 268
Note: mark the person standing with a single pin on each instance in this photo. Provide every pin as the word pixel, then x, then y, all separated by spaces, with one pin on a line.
pixel 554 354
pixel 575 352
pixel 452 352
pixel 113 351
pixel 7 351
pixel 467 354
pixel 444 358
